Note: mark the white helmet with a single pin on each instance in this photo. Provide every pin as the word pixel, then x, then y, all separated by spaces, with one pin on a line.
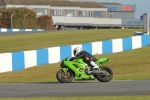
pixel 76 50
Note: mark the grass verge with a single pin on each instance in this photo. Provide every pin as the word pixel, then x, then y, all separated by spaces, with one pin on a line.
pixel 129 65
pixel 24 42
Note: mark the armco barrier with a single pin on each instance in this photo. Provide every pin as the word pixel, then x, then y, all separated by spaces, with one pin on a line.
pixel 20 30
pixel 20 60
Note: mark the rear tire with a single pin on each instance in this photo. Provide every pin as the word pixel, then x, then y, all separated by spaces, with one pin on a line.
pixel 106 77
pixel 64 77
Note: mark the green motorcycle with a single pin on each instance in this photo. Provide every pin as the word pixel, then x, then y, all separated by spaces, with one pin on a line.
pixel 77 69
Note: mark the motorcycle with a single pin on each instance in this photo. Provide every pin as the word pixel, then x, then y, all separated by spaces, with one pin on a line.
pixel 77 69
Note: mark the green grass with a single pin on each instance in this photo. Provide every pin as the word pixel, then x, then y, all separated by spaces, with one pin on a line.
pixel 129 65
pixel 44 40
pixel 85 98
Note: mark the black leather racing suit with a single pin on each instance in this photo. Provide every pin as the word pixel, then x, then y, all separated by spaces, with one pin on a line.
pixel 85 55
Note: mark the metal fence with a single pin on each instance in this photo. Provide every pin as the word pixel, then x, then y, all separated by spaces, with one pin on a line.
pixel 17 22
pixel 26 22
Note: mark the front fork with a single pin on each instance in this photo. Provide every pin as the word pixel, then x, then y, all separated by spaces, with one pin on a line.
pixel 64 69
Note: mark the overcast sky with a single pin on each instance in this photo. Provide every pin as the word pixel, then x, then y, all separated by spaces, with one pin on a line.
pixel 142 6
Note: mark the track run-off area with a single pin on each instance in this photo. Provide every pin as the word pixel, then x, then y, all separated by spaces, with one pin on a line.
pixel 87 88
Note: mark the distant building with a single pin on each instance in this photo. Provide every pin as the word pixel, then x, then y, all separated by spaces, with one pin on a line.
pixel 116 10
pixel 80 13
pixel 58 7
pixel 73 8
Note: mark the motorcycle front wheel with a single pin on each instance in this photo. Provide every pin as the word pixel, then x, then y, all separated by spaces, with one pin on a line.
pixel 106 76
pixel 66 77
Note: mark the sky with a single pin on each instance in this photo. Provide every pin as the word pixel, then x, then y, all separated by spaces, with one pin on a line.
pixel 142 6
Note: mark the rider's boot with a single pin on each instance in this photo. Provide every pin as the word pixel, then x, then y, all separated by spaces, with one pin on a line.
pixel 88 69
pixel 95 66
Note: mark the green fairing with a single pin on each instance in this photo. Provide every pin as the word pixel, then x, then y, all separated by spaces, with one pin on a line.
pixel 78 66
pixel 102 61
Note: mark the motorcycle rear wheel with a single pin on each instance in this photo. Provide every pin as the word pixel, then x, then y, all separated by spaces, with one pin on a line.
pixel 106 77
pixel 64 77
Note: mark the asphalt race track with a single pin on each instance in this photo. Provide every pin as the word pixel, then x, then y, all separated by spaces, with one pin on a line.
pixel 93 88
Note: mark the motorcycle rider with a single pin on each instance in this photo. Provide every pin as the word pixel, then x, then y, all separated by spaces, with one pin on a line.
pixel 88 58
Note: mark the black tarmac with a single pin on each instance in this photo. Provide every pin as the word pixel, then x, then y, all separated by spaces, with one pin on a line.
pixel 91 88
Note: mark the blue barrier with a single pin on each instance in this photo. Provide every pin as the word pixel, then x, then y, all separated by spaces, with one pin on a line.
pixel 20 60
pixel 20 30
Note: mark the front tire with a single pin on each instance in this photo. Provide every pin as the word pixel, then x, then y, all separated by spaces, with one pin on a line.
pixel 106 77
pixel 66 77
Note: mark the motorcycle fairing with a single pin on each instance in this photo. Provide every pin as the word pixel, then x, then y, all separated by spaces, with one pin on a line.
pixel 78 67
